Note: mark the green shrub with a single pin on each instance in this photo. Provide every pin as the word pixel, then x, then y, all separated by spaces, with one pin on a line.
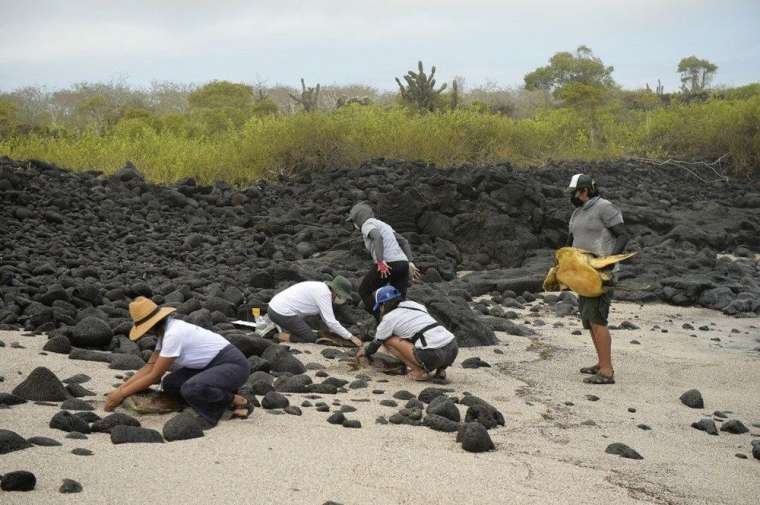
pixel 211 144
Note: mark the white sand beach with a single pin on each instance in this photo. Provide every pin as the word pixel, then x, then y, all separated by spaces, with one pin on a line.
pixel 552 449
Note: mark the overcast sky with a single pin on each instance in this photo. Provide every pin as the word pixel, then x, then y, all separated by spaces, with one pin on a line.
pixel 57 43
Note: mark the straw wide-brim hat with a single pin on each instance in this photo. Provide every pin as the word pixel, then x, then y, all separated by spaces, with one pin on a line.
pixel 145 314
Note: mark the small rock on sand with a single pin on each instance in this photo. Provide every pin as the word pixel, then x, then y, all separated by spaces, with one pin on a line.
pixel 734 426
pixel 707 425
pixel 623 451
pixel 693 399
pixel 70 486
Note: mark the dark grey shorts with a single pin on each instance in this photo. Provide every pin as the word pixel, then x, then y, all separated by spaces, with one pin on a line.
pixel 299 329
pixel 433 359
pixel 595 310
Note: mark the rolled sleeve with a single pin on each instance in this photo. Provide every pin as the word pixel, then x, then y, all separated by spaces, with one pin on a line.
pixel 324 302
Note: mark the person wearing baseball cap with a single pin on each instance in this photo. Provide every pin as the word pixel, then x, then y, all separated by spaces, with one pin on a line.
pixel 596 226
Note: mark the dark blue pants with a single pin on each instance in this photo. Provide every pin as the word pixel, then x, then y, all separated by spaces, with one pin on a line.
pixel 209 391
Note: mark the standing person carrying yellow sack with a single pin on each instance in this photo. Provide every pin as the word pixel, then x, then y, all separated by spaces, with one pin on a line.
pixel 596 226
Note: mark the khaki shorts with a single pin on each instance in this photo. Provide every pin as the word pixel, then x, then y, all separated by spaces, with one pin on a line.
pixel 595 310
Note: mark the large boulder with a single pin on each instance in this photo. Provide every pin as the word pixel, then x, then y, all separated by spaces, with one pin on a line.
pixel 91 332
pixel 41 385
pixel 453 312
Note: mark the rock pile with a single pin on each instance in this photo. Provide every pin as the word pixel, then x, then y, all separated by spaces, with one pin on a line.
pixel 76 247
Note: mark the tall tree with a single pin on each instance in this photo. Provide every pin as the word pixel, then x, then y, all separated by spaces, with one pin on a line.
pixel 221 94
pixel 564 67
pixel 696 74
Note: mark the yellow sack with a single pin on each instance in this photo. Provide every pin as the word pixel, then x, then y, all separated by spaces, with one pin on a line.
pixel 578 270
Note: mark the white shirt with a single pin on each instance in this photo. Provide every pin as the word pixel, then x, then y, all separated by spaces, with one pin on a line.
pixel 308 298
pixel 193 346
pixel 391 250
pixel 405 323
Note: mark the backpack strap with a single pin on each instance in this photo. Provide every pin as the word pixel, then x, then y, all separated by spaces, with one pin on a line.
pixel 420 335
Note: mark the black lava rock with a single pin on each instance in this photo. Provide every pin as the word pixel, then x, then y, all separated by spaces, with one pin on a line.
pixel 80 451
pixel 336 418
pixel 90 355
pixel 126 362
pixel 274 400
pixel 440 423
pixel 475 438
pixel 623 451
pixel 20 480
pixel 70 486
pixel 293 410
pixel 9 399
pixel 44 442
pixel 352 423
pixel 292 384
pixel 78 391
pixel 707 425
pixel 122 434
pixel 59 344
pixel 111 421
pixel 79 378
pixel 76 404
pixel 403 395
pixel 485 414
pixel 358 384
pixel 734 426
pixel 428 394
pixel 444 407
pixel 42 385
pixel 87 416
pixel 11 441
pixel 182 427
pixel 66 421
pixel 91 332
pixel 693 399
pixel 475 362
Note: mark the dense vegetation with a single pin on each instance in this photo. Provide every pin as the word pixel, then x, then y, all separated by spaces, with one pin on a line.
pixel 569 109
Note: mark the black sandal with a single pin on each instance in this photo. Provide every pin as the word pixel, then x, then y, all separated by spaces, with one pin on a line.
pixel 599 379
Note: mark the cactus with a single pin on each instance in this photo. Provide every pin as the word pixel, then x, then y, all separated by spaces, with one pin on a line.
pixel 660 88
pixel 420 88
pixel 454 94
pixel 309 98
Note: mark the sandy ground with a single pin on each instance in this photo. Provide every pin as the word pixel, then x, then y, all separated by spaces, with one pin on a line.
pixel 545 453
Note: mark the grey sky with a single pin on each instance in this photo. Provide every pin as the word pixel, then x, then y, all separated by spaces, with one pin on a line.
pixel 57 43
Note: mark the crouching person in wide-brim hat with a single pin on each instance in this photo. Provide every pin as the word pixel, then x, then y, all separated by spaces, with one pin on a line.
pixel 208 370
pixel 410 333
